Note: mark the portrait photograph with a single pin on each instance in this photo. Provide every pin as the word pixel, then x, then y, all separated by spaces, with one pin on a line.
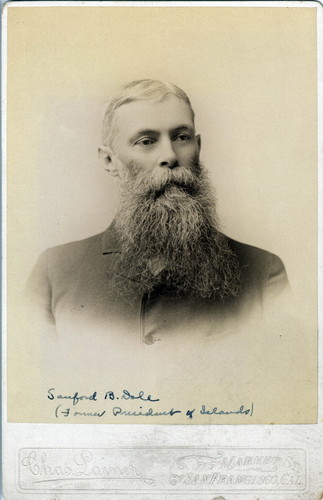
pixel 161 214
pixel 161 166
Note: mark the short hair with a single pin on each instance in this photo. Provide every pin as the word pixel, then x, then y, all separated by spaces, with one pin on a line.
pixel 135 91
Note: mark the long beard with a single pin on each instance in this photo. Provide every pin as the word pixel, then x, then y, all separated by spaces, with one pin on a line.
pixel 169 236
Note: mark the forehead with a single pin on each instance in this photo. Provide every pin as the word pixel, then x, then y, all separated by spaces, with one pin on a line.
pixel 165 115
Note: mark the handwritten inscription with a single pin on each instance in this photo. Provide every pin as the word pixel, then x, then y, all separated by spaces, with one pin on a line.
pixel 141 395
pixel 215 411
pixel 76 399
pixel 166 469
pixel 150 413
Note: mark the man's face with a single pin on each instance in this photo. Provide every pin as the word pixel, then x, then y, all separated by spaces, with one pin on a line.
pixel 155 135
pixel 166 222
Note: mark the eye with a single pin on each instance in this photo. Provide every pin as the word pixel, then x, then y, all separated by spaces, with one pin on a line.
pixel 183 138
pixel 145 141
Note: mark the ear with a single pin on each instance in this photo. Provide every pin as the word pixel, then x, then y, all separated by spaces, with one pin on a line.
pixel 198 140
pixel 109 160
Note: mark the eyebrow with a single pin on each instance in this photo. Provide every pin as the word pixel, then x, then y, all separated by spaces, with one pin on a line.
pixel 184 127
pixel 148 131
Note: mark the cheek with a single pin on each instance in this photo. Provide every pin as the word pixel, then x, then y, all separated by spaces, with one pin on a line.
pixel 124 172
pixel 134 170
pixel 143 164
pixel 145 160
pixel 189 155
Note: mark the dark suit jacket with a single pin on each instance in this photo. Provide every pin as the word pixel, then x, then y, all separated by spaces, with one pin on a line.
pixel 72 285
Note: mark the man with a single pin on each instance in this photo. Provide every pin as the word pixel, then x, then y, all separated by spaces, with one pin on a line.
pixel 162 270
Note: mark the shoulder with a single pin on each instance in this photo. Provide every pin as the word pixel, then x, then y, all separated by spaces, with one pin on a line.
pixel 59 266
pixel 251 255
pixel 259 267
pixel 75 249
pixel 62 259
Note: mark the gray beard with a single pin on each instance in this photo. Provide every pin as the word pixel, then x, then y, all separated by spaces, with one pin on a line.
pixel 168 232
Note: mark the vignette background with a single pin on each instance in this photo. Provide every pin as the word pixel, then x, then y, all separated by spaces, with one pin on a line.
pixel 251 77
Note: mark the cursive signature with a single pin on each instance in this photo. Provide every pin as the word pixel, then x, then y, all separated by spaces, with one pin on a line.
pixel 141 396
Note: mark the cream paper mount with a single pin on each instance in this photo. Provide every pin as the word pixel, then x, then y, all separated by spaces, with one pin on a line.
pixel 231 416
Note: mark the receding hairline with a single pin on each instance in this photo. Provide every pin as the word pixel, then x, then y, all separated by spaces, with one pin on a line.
pixel 139 90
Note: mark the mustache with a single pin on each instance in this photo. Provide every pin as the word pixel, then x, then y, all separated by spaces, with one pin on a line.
pixel 163 178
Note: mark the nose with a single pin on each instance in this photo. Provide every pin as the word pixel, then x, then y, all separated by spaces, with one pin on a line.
pixel 167 154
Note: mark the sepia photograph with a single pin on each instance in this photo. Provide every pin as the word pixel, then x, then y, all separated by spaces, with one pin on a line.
pixel 161 214
pixel 161 256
